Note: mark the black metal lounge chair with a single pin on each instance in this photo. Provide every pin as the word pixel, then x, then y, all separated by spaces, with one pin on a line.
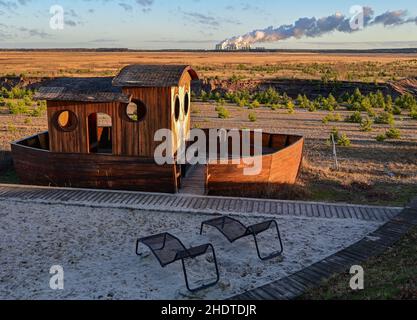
pixel 169 249
pixel 234 230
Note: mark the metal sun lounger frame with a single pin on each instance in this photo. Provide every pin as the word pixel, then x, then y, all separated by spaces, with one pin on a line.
pixel 169 249
pixel 241 231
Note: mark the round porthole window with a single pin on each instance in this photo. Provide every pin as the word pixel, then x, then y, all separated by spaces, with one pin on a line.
pixel 186 104
pixel 136 111
pixel 66 120
pixel 177 108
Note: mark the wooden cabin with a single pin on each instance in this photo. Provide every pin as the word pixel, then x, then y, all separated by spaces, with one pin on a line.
pixel 106 127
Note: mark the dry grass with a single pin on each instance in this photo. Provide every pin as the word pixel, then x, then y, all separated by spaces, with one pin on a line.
pixel 367 67
pixel 370 172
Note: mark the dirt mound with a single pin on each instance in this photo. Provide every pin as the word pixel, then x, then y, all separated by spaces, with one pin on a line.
pixel 405 86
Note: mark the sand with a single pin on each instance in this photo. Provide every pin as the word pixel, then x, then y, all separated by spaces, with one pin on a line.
pixel 96 248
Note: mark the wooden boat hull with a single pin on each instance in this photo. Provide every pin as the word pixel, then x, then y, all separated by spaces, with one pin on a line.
pixel 37 166
pixel 280 167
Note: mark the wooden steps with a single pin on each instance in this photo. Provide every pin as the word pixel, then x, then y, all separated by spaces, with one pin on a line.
pixel 194 182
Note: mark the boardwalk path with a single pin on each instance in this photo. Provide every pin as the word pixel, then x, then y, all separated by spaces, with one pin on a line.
pixel 195 203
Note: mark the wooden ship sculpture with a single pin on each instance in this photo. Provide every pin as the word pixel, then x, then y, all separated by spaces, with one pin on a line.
pixel 101 135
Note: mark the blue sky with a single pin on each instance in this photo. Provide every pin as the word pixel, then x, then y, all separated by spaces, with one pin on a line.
pixel 187 24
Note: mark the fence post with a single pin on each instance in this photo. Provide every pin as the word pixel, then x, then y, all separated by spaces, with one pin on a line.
pixel 336 162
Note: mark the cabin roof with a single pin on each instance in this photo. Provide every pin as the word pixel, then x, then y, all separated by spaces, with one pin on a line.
pixel 81 90
pixel 152 75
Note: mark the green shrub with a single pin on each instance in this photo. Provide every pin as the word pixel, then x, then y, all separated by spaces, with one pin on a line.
pixel 356 117
pixel 255 104
pixel 356 97
pixel 413 113
pixel 377 100
pixel 385 118
pixel 393 133
pixel 366 125
pixel 366 104
pixel 285 98
pixel 356 106
pixel 313 106
pixel 397 110
pixel 19 93
pixel 274 106
pixel 28 101
pixel 18 108
pixel 241 102
pixel 221 102
pixel 204 96
pixel 290 107
pixel 252 117
pixel 332 102
pixel 340 139
pixel 332 117
pixel 11 128
pixel 335 134
pixel 269 96
pixel 381 138
pixel 222 112
pixel 4 93
pixel 41 109
pixel 406 101
pixel 388 104
pixel 303 102
pixel 344 141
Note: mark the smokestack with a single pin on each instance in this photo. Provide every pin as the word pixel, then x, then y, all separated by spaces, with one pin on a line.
pixel 313 27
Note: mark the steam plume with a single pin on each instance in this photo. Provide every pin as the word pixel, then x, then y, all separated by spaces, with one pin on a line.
pixel 313 27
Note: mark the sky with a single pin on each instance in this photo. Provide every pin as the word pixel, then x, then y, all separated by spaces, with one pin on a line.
pixel 189 24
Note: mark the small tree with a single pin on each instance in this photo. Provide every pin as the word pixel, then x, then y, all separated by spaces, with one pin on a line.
pixel 332 102
pixel 222 112
pixel 388 104
pixel 340 139
pixel 252 117
pixel 356 117
pixel 366 125
pixel 393 133
pixel 290 106
pixel 385 118
pixel 381 138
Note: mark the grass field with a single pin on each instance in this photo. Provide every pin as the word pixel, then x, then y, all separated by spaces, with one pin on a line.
pixel 354 67
pixel 371 171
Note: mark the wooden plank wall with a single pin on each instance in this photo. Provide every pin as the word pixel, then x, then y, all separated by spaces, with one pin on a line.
pixel 125 132
pixel 39 167
pixel 281 167
pixel 158 116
